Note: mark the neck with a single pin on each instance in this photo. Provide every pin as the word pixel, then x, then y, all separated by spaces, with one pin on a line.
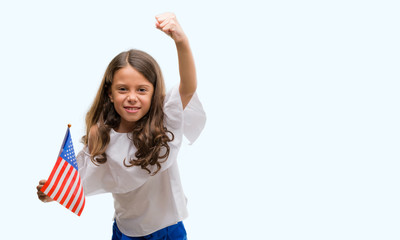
pixel 125 127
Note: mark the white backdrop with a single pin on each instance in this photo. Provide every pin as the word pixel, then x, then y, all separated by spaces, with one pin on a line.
pixel 302 139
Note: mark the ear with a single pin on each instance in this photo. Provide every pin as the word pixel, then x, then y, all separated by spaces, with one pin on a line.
pixel 111 97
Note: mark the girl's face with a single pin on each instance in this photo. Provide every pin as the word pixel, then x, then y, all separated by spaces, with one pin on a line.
pixel 131 94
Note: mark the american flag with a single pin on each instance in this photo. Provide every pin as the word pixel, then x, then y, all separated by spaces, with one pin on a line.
pixel 64 184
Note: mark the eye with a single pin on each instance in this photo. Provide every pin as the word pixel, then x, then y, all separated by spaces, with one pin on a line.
pixel 122 89
pixel 142 90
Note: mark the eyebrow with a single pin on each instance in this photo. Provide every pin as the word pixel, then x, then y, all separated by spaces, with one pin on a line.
pixel 124 84
pixel 144 85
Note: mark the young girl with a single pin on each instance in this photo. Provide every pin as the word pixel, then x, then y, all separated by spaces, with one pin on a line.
pixel 134 132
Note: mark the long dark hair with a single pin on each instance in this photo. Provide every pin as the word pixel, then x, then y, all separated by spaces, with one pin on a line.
pixel 149 136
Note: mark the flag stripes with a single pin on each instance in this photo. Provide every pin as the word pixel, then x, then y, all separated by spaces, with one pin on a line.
pixel 69 190
pixel 65 175
pixel 64 184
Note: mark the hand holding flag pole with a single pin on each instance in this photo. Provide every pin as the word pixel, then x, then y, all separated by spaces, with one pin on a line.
pixel 64 183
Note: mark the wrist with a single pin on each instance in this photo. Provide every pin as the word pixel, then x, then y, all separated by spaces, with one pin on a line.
pixel 182 42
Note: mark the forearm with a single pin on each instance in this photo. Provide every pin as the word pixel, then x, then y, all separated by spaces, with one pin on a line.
pixel 187 71
pixel 168 23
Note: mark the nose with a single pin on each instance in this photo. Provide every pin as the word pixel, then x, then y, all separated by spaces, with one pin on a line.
pixel 132 97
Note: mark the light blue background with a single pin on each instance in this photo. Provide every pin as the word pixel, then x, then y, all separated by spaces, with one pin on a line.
pixel 302 139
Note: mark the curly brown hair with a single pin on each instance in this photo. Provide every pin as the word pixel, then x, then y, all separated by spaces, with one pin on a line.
pixel 149 136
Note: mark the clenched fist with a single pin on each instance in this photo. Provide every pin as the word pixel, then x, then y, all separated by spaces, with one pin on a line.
pixel 42 197
pixel 168 23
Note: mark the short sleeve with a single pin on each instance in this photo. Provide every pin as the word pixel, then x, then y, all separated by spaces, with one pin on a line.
pixel 95 179
pixel 192 119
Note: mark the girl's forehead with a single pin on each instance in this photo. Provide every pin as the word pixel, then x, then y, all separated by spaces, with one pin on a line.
pixel 127 71
pixel 129 74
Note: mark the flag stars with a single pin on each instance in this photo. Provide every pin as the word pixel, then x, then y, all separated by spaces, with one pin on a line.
pixel 68 153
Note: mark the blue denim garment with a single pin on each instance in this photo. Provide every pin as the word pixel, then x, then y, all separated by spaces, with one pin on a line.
pixel 173 232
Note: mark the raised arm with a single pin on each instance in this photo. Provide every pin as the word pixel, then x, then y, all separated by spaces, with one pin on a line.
pixel 168 23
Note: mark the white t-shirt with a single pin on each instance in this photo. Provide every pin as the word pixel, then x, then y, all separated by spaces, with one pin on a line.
pixel 144 203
